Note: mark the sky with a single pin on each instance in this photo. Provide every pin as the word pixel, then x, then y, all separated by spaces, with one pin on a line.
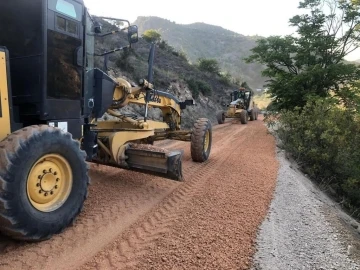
pixel 246 17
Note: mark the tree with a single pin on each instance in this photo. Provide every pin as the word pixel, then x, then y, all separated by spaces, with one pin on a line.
pixel 312 62
pixel 209 65
pixel 152 35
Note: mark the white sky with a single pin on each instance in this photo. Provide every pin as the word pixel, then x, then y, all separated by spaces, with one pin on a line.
pixel 247 17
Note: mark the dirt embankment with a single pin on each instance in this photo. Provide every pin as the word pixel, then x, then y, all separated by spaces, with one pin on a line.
pixel 137 221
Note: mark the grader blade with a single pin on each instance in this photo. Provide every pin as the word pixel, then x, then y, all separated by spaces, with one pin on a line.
pixel 156 161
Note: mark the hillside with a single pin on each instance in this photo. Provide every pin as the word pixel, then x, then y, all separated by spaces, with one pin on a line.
pixel 172 73
pixel 199 40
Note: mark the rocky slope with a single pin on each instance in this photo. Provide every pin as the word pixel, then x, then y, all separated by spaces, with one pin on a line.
pixel 171 73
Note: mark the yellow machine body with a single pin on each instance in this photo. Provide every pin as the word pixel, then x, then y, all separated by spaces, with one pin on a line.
pixel 242 106
pixel 5 128
pixel 116 136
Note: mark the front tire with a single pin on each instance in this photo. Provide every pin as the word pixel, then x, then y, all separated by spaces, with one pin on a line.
pixel 201 140
pixel 43 182
pixel 244 117
pixel 220 116
pixel 252 115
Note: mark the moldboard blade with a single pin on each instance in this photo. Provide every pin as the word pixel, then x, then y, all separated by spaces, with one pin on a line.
pixel 156 161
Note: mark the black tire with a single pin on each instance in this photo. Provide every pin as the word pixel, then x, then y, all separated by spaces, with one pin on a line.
pixel 19 152
pixel 252 115
pixel 220 117
pixel 202 127
pixel 244 117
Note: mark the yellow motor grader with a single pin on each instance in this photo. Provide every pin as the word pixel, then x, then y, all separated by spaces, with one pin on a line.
pixel 242 106
pixel 51 102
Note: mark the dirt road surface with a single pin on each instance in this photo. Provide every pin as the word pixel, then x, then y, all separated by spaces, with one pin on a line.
pixel 136 221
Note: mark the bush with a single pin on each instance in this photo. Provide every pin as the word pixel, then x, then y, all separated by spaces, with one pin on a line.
pixel 325 139
pixel 163 45
pixel 123 61
pixel 204 88
pixel 209 65
pixel 193 88
pixel 225 78
pixel 152 35
pixel 166 47
pixel 197 86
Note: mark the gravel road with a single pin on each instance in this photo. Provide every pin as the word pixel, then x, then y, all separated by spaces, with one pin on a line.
pixel 210 221
pixel 137 221
pixel 303 229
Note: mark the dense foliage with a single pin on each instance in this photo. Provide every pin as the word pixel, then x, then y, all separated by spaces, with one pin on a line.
pixel 199 86
pixel 316 94
pixel 312 62
pixel 325 139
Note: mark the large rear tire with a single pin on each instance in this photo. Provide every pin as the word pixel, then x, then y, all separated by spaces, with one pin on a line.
pixel 43 182
pixel 201 140
pixel 220 117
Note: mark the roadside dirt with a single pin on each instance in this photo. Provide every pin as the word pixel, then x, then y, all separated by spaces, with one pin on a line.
pixel 304 228
pixel 136 221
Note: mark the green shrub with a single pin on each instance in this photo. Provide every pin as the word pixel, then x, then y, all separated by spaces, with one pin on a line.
pixel 326 140
pixel 209 65
pixel 163 45
pixel 123 61
pixel 193 88
pixel 168 48
pixel 152 35
pixel 226 78
pixel 204 88
pixel 198 86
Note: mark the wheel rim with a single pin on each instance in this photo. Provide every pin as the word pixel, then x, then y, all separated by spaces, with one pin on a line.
pixel 49 183
pixel 207 141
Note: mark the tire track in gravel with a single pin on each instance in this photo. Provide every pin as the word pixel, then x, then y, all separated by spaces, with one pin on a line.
pixel 105 213
pixel 217 227
pixel 127 251
pixel 117 198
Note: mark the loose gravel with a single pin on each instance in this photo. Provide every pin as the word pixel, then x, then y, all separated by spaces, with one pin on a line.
pixel 211 220
pixel 137 221
pixel 299 231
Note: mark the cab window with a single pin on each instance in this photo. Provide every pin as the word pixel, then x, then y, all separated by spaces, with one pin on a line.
pixel 65 25
pixel 66 7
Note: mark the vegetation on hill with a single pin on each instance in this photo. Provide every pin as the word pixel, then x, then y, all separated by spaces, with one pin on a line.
pixel 172 73
pixel 316 93
pixel 203 41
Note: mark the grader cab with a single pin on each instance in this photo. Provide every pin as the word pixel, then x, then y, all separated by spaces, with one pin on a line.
pixel 242 106
pixel 51 98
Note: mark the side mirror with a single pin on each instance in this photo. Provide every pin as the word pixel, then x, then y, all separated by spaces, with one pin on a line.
pixel 97 27
pixel 133 35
